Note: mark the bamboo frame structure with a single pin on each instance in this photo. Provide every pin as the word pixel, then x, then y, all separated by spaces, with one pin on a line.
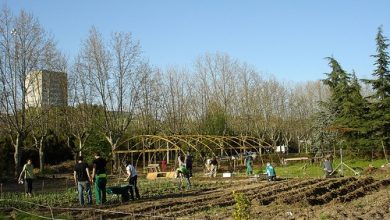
pixel 170 145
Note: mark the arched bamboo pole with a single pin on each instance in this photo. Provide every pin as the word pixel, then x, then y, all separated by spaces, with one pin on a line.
pixel 222 143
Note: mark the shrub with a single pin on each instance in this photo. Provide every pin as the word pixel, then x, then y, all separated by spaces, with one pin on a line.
pixel 242 207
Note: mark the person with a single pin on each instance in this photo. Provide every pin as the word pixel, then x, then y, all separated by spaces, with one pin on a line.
pixel 99 178
pixel 163 165
pixel 132 178
pixel 270 172
pixel 188 162
pixel 328 169
pixel 183 172
pixel 248 164
pixel 28 176
pixel 213 166
pixel 180 160
pixel 81 178
pixel 208 166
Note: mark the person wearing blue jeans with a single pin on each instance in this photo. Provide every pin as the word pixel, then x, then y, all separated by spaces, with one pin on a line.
pixel 81 178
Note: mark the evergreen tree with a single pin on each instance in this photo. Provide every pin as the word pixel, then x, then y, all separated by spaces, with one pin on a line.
pixel 352 117
pixel 380 100
pixel 337 80
pixel 346 106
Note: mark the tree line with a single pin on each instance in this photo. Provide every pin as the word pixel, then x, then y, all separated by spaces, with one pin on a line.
pixel 115 93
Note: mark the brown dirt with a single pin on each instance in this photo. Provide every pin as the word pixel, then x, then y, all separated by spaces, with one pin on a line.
pixel 285 199
pixel 337 198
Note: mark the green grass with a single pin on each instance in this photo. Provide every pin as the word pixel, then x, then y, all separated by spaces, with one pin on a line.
pixel 364 163
pixel 315 170
pixel 3 216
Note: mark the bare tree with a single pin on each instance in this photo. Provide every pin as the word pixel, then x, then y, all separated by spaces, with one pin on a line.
pixel 175 105
pixel 151 102
pixel 45 119
pixel 78 119
pixel 246 106
pixel 24 47
pixel 218 77
pixel 115 72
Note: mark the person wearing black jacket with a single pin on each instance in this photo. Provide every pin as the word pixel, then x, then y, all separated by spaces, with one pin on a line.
pixel 99 173
pixel 188 163
pixel 81 179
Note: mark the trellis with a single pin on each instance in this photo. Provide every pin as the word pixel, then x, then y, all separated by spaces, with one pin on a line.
pixel 149 147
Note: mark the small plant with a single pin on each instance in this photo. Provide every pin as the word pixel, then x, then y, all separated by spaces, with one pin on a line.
pixel 242 207
pixel 324 216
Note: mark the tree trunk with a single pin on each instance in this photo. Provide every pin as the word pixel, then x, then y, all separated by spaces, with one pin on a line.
pixel 384 151
pixel 115 165
pixel 299 146
pixel 80 147
pixel 41 158
pixel 17 158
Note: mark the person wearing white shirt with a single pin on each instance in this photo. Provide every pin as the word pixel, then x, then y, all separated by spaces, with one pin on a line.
pixel 132 178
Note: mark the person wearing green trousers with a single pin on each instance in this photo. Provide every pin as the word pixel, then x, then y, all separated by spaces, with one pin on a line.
pixel 100 181
pixel 249 165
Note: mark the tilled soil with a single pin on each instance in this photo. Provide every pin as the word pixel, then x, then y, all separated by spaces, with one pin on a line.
pixel 350 197
pixel 313 198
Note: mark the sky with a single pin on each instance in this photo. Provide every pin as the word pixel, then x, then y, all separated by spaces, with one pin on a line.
pixel 287 39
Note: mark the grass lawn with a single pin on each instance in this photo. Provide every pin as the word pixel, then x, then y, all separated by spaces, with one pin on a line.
pixel 315 170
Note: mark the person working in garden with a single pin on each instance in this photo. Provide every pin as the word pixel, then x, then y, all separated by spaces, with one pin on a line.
pixel 132 178
pixel 328 169
pixel 180 159
pixel 99 177
pixel 213 167
pixel 182 172
pixel 270 172
pixel 28 177
pixel 249 164
pixel 81 178
pixel 207 166
pixel 188 162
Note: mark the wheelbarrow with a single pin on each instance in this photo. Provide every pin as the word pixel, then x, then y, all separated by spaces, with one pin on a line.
pixel 123 191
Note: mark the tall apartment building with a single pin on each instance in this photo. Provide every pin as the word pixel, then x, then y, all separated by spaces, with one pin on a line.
pixel 46 88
